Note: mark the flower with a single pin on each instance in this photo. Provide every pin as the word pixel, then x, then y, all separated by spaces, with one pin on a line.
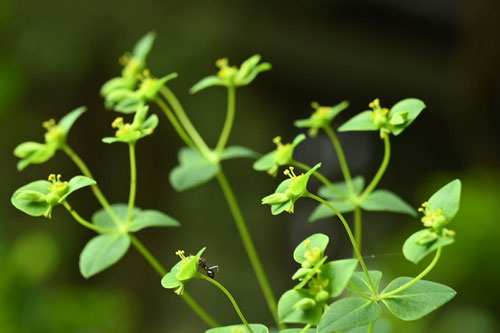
pixel 131 132
pixel 321 117
pixel 183 271
pixel 55 138
pixel 282 155
pixel 289 191
pixel 231 76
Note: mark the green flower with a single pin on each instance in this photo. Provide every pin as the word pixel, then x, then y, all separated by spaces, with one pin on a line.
pixel 282 155
pixel 289 191
pixel 183 271
pixel 139 128
pixel 39 197
pixel 321 117
pixel 133 64
pixel 231 76
pixel 394 121
pixel 55 138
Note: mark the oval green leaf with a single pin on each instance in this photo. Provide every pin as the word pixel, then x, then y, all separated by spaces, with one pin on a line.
pixel 316 240
pixel 256 328
pixel 348 313
pixel 383 200
pixel 415 252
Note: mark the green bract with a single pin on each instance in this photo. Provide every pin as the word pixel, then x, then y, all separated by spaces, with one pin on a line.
pixel 182 272
pixel 289 191
pixel 231 76
pixel 321 117
pixel 282 155
pixel 401 115
pixel 55 138
pixel 39 197
pixel 139 128
pixel 438 213
pixel 134 63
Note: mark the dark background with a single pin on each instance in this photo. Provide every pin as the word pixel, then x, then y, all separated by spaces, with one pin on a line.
pixel 55 55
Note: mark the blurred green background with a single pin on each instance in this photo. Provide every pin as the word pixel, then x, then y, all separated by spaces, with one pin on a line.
pixel 55 55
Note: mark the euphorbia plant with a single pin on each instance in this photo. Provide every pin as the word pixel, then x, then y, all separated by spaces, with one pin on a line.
pixel 318 301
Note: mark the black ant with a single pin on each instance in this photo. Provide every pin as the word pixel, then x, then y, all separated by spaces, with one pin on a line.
pixel 211 271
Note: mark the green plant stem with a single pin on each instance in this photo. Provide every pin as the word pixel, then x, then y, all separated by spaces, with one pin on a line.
pixel 417 278
pixel 162 271
pixel 228 294
pixel 228 123
pixel 349 233
pixel 183 118
pixel 304 330
pixel 370 328
pixel 249 246
pixel 380 171
pixel 358 226
pixel 95 188
pixel 360 294
pixel 175 123
pixel 341 156
pixel 318 176
pixel 133 182
pixel 84 222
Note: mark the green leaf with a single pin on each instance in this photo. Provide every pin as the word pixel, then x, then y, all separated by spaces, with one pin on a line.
pixel 341 189
pixel 338 273
pixel 298 330
pixel 447 198
pixel 102 252
pixel 411 105
pixel 247 66
pixel 151 218
pixel 380 326
pixel 264 163
pixel 288 313
pixel 188 270
pixel 26 149
pixel 415 252
pixel 348 313
pixel 360 122
pixel 30 207
pixel 193 170
pixel 68 120
pixel 77 183
pixel 360 281
pixel 206 82
pixel 170 280
pixel 32 154
pixel 237 152
pixel 265 66
pixel 418 300
pixel 256 328
pixel 140 218
pixel 143 46
pixel 322 211
pixel 383 200
pixel 129 105
pixel 316 240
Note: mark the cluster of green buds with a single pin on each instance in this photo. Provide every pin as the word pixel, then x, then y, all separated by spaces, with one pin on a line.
pixel 38 198
pixel 131 132
pixel 394 121
pixel 318 281
pixel 182 272
pixel 55 138
pixel 321 117
pixel 232 76
pixel 289 191
pixel 282 155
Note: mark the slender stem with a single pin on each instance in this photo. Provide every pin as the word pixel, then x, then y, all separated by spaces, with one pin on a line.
pixel 358 226
pixel 95 188
pixel 84 222
pixel 133 182
pixel 349 233
pixel 318 176
pixel 162 271
pixel 370 328
pixel 228 294
pixel 381 170
pixel 183 118
pixel 417 278
pixel 228 123
pixel 341 156
pixel 304 330
pixel 175 123
pixel 357 291
pixel 249 246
